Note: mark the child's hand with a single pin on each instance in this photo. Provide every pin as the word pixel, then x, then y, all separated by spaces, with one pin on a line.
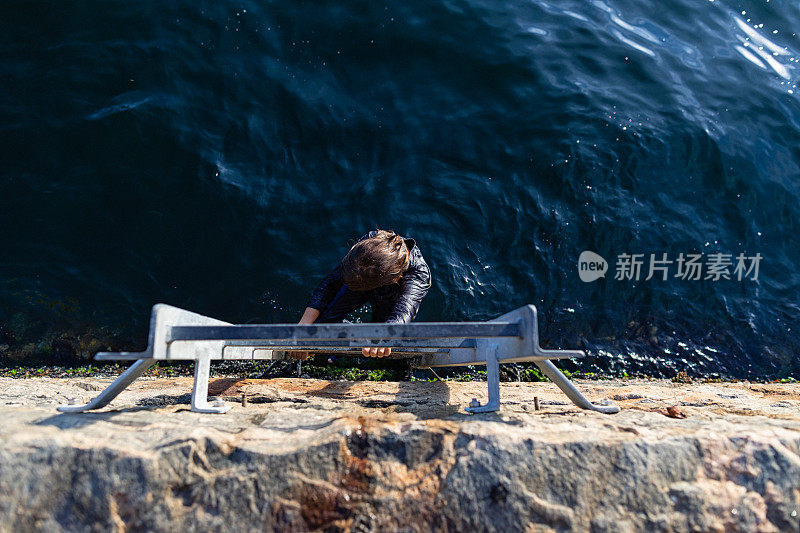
pixel 376 352
pixel 300 356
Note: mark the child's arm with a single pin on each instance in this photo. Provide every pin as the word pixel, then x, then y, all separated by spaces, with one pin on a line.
pixel 326 290
pixel 309 316
pixel 322 296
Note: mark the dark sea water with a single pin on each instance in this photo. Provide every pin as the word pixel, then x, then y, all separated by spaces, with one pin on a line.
pixel 219 156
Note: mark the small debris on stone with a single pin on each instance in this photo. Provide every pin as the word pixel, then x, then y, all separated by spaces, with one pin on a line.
pixel 628 397
pixel 675 412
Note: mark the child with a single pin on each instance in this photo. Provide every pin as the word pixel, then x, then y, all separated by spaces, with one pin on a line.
pixel 381 268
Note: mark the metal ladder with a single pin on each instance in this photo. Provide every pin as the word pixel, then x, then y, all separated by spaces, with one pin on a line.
pixel 177 334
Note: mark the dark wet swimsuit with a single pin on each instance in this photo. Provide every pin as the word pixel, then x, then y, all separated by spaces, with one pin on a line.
pixel 396 302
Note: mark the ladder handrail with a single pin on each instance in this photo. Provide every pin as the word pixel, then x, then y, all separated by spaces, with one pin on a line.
pixel 419 330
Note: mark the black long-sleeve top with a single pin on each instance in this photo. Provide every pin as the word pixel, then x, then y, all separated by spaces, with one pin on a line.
pixel 414 285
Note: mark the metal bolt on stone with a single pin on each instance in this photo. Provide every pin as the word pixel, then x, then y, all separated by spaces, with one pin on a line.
pixel 474 403
pixel 535 403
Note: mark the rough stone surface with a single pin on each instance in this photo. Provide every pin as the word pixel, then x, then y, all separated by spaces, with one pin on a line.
pixel 319 455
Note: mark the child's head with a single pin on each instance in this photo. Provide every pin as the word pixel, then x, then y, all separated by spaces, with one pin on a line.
pixel 376 261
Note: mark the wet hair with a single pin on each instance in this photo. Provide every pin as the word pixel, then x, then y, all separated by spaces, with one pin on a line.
pixel 375 261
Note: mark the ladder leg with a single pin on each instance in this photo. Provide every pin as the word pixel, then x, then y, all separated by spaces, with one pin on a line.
pixel 202 370
pixel 555 375
pixel 104 398
pixel 492 383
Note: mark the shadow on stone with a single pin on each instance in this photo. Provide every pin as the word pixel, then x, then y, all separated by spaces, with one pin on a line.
pixel 165 399
pixel 78 420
